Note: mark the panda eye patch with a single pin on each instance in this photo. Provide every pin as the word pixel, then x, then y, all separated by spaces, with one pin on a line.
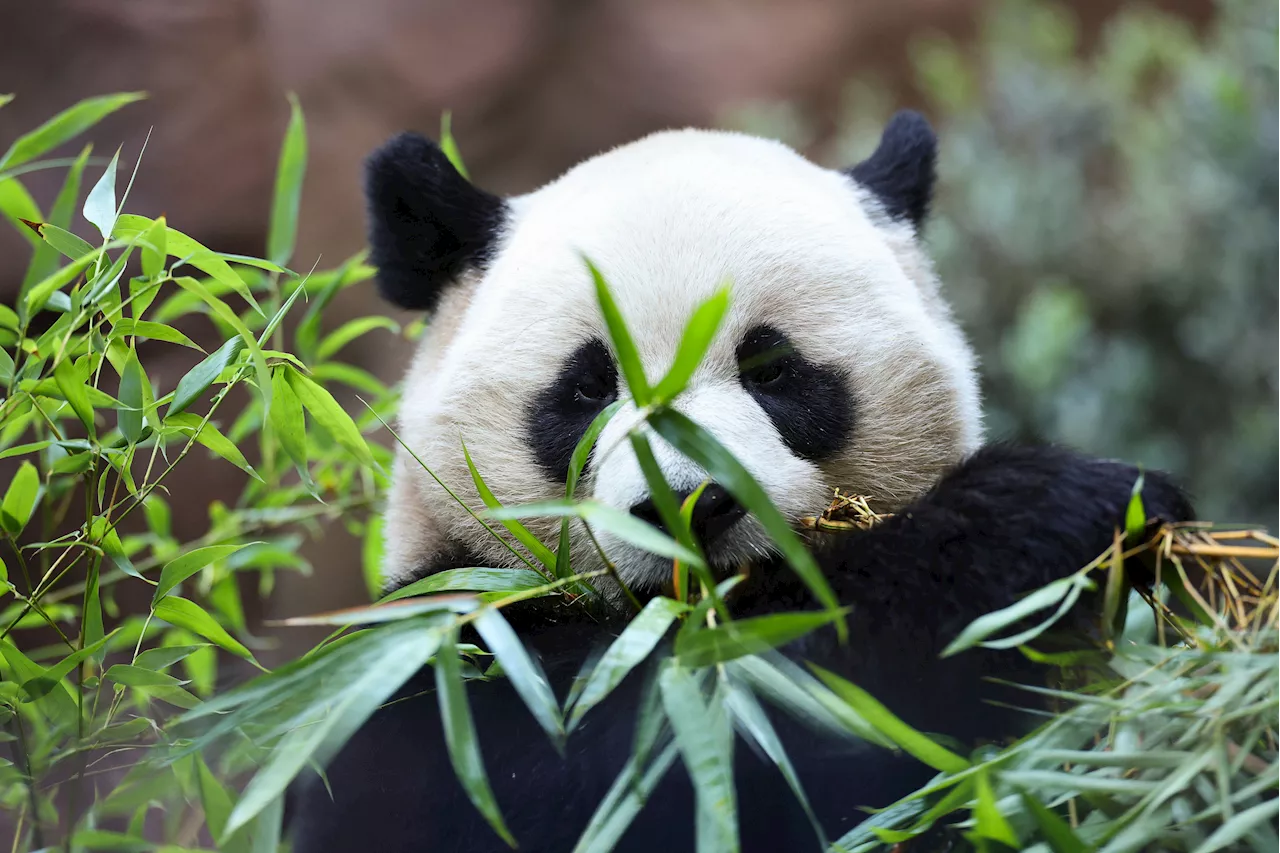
pixel 586 382
pixel 809 404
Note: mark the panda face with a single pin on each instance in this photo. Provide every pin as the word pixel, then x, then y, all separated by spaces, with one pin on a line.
pixel 837 365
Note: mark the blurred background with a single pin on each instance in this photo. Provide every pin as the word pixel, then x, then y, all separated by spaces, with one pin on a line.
pixel 1106 220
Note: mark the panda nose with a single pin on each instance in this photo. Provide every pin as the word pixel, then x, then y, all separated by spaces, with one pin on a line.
pixel 713 514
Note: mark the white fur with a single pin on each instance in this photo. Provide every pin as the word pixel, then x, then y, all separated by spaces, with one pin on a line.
pixel 669 219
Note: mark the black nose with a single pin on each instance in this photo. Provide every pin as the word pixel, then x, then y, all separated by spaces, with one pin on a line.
pixel 714 513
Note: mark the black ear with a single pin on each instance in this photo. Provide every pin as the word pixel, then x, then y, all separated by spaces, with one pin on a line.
pixel 427 223
pixel 901 172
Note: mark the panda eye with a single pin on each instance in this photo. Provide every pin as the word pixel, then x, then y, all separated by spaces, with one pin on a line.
pixel 768 375
pixel 592 389
pixel 768 369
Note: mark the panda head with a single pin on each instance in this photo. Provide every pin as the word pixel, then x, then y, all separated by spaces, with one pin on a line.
pixel 837 366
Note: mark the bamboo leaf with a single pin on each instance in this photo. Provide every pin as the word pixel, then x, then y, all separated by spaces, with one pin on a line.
pixel 984 626
pixel 64 126
pixel 621 524
pixel 177 570
pixel 100 205
pixel 540 552
pixel 460 737
pixel 182 613
pixel 470 580
pixel 698 334
pixel 288 192
pixel 526 675
pixel 581 453
pixel 350 331
pixel 1055 831
pixel 988 822
pixel 199 378
pixel 623 344
pixel 20 499
pixel 700 446
pixel 912 741
pixel 327 413
pixel 708 646
pixel 158 332
pixel 632 646
pixel 129 416
pixel 705 740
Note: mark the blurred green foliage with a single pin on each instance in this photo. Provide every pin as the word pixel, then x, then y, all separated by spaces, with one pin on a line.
pixel 1106 229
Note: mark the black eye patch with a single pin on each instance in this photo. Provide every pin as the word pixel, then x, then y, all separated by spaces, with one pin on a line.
pixel 809 404
pixel 561 412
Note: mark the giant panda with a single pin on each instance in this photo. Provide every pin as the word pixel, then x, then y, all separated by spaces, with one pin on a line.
pixel 872 390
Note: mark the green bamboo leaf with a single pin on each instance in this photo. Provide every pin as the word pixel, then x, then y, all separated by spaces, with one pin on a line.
pixel 20 499
pixel 72 386
pixel 327 413
pixel 1056 832
pixel 44 262
pixel 208 435
pixel 64 126
pixel 200 377
pixel 1241 825
pixel 40 293
pixel 623 344
pixel 621 524
pixel 17 205
pixel 232 319
pixel 705 739
pixel 984 626
pixel 371 555
pixel 133 398
pixel 178 245
pixel 157 332
pixel 288 423
pixel 177 570
pixel 912 741
pixel 100 205
pixel 707 646
pixel 535 547
pixel 699 332
pixel 988 822
pixel 331 716
pixel 91 628
pixel 1135 516
pixel 449 146
pixel 182 613
pixel 632 646
pixel 526 675
pixel 64 241
pixel 165 656
pixel 154 247
pixel 752 720
pixel 702 447
pixel 471 580
pixel 40 686
pixel 460 737
pixel 628 794
pixel 350 331
pixel 581 452
pixel 288 193
pixel 217 802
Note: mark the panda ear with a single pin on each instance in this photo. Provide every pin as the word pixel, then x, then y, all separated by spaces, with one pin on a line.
pixel 901 172
pixel 427 223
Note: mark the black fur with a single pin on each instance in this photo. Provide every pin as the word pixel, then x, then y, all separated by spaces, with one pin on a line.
pixel 809 404
pixel 427 223
pixel 1006 521
pixel 901 172
pixel 559 415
